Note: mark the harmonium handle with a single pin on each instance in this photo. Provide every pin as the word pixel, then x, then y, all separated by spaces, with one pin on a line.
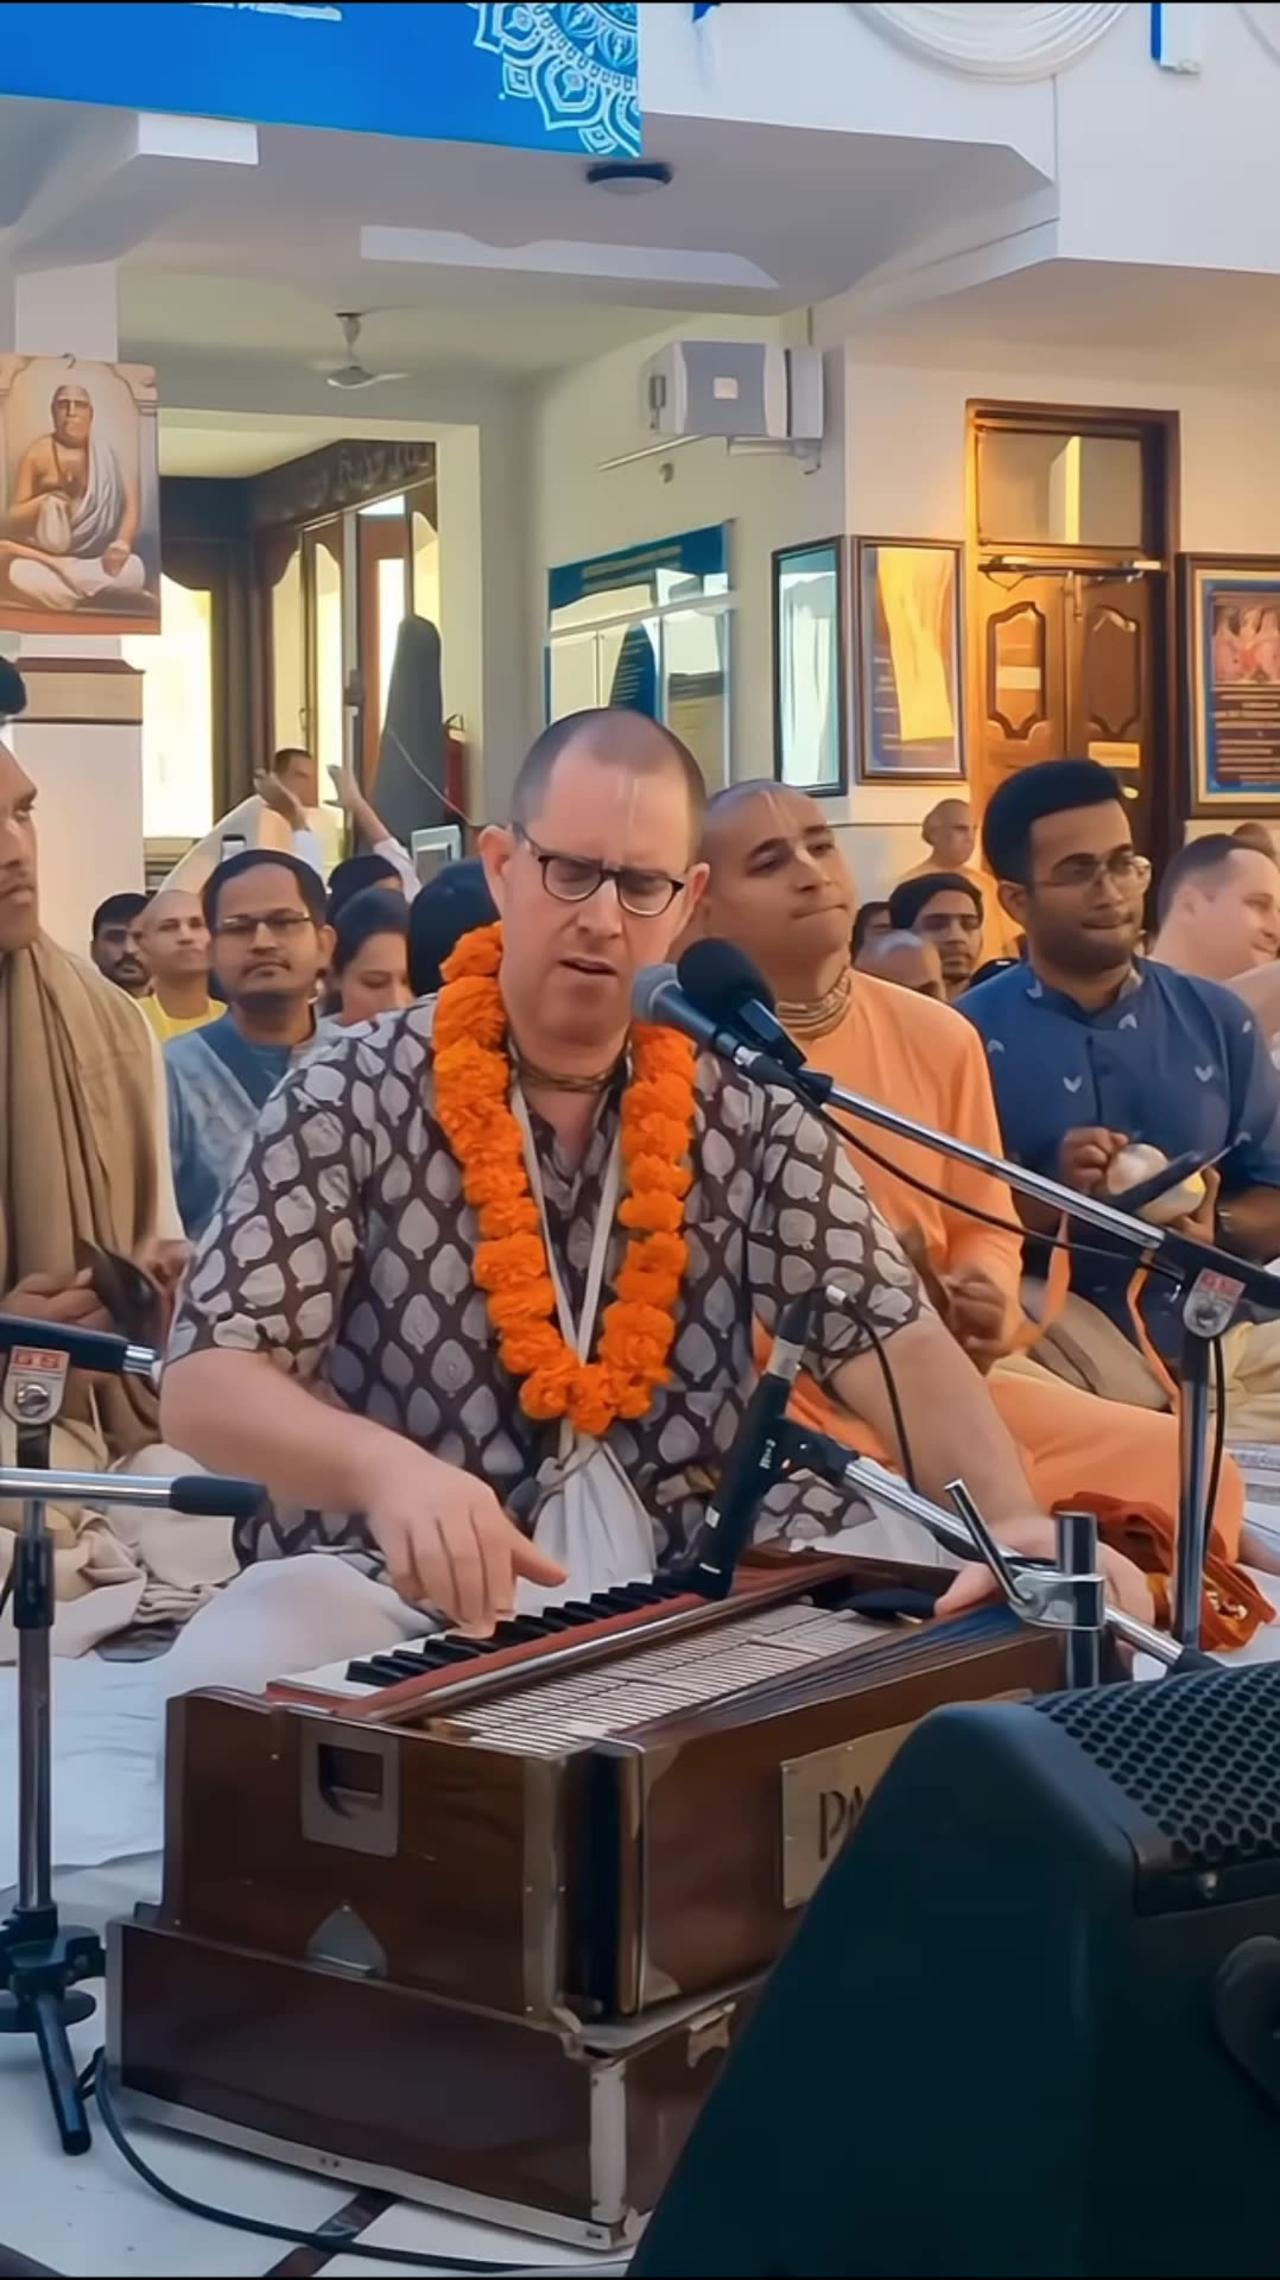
pixel 350 1788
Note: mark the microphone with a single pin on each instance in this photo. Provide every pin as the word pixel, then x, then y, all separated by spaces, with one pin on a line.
pixel 728 1521
pixel 101 1350
pixel 656 996
pixel 724 983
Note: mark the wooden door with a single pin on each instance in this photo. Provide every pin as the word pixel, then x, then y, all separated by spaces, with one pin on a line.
pixel 1114 676
pixel 1069 663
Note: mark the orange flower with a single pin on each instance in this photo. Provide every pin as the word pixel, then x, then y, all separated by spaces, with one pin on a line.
pixel 473 1088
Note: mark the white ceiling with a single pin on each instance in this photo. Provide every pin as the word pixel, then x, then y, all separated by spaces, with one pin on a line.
pixel 527 268
pixel 471 322
pixel 1091 317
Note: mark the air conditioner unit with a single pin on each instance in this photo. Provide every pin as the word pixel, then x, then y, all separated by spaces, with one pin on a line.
pixel 745 390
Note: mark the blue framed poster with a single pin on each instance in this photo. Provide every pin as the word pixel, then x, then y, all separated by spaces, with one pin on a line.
pixel 1231 621
pixel 532 77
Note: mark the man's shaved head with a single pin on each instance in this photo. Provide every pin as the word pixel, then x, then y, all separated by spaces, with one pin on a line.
pixel 616 738
pixel 779 888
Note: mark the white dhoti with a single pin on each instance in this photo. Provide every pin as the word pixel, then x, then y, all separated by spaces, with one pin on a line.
pixel 287 1616
pixel 61 584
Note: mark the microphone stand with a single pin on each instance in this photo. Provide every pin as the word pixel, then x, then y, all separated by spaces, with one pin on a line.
pixel 41 1960
pixel 1212 1284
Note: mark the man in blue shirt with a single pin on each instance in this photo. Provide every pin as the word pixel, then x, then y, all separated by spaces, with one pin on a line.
pixel 266 915
pixel 1090 1047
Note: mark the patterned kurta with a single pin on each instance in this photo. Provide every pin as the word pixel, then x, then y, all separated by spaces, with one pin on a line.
pixel 343 1252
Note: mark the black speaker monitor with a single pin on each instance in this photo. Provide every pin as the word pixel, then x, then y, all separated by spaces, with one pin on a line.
pixel 1030 2023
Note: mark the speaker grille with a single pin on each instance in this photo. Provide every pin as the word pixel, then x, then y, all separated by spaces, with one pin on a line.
pixel 1199 1756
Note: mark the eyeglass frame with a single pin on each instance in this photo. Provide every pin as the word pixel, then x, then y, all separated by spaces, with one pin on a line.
pixel 543 856
pixel 1137 872
pixel 280 925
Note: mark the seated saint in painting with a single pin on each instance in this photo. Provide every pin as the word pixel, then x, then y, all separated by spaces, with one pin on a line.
pixel 69 533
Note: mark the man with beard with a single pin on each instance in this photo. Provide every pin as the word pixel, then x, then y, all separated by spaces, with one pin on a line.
pixel 1091 1047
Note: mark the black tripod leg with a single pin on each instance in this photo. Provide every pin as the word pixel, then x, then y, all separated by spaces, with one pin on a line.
pixel 60 2070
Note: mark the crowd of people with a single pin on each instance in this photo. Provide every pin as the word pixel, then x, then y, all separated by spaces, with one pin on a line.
pixel 475 1277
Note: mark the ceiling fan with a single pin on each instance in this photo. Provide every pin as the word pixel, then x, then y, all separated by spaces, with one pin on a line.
pixel 353 374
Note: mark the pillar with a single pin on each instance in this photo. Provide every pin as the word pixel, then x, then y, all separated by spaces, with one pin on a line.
pixel 80 739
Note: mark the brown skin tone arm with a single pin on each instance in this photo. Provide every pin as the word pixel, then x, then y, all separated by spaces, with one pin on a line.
pixel 1249 1223
pixel 955 1432
pixel 35 480
pixel 1083 1157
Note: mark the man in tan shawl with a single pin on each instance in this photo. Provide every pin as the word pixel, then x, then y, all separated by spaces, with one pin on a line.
pixel 81 1119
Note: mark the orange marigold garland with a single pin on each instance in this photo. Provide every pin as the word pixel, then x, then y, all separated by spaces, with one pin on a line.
pixel 638 1327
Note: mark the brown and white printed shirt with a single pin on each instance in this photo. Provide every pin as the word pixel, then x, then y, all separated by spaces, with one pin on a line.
pixel 343 1251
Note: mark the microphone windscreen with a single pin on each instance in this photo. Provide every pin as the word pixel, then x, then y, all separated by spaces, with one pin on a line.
pixel 719 977
pixel 212 1496
pixel 644 992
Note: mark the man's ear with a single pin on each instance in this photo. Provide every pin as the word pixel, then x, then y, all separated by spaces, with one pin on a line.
pixel 497 846
pixel 1014 900
pixel 695 920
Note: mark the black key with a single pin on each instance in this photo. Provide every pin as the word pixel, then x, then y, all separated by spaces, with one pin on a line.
pixel 453 1648
pixel 517 1629
pixel 427 1654
pixel 378 1670
pixel 408 1662
pixel 583 1610
pixel 627 1597
pixel 558 1619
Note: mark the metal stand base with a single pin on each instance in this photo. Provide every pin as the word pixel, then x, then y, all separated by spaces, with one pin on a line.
pixel 40 1963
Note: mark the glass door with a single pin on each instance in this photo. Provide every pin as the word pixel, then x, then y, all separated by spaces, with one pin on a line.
pixel 386 579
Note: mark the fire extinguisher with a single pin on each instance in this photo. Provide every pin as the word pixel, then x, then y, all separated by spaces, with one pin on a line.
pixel 457 772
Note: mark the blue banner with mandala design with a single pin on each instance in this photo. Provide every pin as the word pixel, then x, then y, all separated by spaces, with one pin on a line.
pixel 536 78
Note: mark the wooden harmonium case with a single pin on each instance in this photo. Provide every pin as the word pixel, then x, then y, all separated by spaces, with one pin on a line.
pixel 618 1818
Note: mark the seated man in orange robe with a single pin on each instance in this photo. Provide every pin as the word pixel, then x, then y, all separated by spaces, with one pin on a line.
pixel 779 889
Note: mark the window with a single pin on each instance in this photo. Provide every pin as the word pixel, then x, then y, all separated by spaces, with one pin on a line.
pixel 648 628
pixel 808 667
pixel 177 714
pixel 1042 488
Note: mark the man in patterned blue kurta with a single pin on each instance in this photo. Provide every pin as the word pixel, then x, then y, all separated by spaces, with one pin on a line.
pixel 1090 1047
pixel 266 914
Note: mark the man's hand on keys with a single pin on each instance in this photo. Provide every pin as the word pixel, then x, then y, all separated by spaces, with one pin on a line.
pixel 448 1543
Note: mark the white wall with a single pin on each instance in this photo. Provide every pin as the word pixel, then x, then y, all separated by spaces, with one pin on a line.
pixel 905 478
pixel 814 65
pixel 1160 166
pixel 576 511
pixel 1150 165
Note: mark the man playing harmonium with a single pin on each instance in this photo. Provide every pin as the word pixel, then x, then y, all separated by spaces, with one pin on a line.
pixel 479 1307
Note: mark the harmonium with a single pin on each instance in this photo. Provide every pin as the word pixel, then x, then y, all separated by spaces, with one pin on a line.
pixel 478 1922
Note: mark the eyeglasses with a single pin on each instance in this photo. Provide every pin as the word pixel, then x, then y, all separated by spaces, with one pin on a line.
pixel 574 879
pixel 1082 872
pixel 278 923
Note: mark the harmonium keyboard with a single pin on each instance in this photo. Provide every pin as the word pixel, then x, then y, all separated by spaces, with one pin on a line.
pixel 478 1920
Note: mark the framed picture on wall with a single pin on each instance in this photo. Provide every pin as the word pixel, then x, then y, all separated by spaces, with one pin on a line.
pixel 79 497
pixel 909 661
pixel 1231 637
pixel 809 667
